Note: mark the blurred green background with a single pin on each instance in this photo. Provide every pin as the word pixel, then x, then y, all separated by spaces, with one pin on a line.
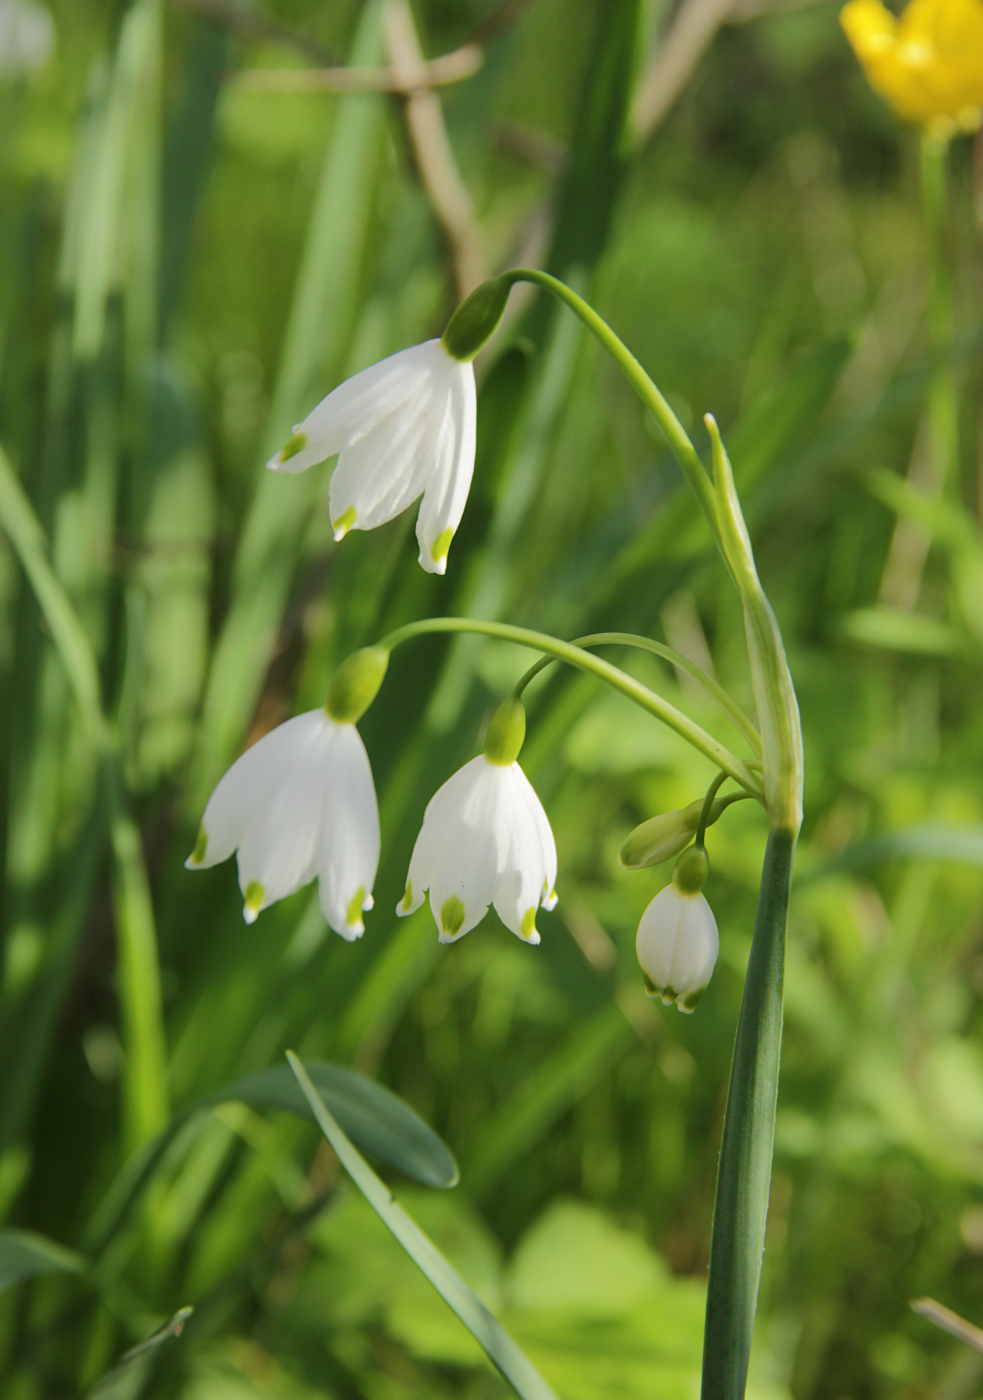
pixel 187 264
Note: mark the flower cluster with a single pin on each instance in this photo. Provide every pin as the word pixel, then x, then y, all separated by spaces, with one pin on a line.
pixel 928 63
pixel 301 804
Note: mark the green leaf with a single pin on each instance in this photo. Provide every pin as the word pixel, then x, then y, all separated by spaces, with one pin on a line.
pixel 962 845
pixel 324 310
pixel 545 1094
pixel 24 1254
pixel 379 1121
pixel 375 1118
pixel 893 630
pixel 127 1378
pixel 498 1345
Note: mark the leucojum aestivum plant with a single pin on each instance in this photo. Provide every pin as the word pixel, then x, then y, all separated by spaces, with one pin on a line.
pixel 300 803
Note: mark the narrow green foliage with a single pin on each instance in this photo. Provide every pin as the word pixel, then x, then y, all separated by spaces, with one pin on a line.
pixel 482 1325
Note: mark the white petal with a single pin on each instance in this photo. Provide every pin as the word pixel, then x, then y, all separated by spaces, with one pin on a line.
pixel 448 484
pixel 362 401
pixel 655 942
pixel 677 945
pixel 697 946
pixel 460 850
pixel 385 470
pixel 349 856
pixel 245 789
pixel 524 880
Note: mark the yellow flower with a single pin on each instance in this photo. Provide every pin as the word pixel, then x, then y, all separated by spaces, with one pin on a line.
pixel 928 64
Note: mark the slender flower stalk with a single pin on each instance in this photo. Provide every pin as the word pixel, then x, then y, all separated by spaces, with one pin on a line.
pixel 583 660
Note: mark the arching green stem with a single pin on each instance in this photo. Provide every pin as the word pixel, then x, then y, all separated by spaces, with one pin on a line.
pixel 712 790
pixel 603 670
pixel 629 639
pixel 673 431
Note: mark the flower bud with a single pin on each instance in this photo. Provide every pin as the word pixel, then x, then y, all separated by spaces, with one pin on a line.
pixel 677 946
pixel 506 733
pixel 355 684
pixel 664 836
pixel 476 320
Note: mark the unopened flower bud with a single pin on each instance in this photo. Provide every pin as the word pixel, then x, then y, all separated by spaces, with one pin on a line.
pixel 677 941
pixel 664 836
pixel 356 684
pixel 476 320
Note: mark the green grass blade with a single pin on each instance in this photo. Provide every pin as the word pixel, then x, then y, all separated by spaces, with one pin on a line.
pixel 323 313
pixel 145 1075
pixel 517 1369
pixel 24 1254
pixel 547 1093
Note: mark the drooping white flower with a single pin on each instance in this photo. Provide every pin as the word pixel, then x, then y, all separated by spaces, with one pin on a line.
pixel 300 803
pixel 677 945
pixel 485 840
pixel 402 428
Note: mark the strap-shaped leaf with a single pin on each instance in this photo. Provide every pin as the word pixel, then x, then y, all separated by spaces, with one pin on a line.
pixel 24 1254
pixel 374 1117
pixel 487 1331
pixel 377 1119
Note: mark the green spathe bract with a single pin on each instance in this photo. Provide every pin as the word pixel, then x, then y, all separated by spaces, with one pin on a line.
pixel 476 320
pixel 356 684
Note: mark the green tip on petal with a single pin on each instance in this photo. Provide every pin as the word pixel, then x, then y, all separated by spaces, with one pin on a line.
pixel 343 524
pixel 687 1004
pixel 529 923
pixel 407 899
pixel 253 901
pixel 441 545
pixel 290 449
pixel 355 684
pixel 354 911
pixel 452 915
pixel 506 733
pixel 201 846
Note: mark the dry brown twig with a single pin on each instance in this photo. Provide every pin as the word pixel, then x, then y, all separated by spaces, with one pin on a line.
pixel 432 148
pixel 949 1321
pixel 438 72
pixel 689 35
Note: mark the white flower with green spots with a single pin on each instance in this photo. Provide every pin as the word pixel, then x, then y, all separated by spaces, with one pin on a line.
pixel 677 946
pixel 402 428
pixel 485 840
pixel 300 803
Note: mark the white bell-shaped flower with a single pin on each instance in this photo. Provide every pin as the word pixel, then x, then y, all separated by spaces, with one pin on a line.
pixel 403 428
pixel 300 803
pixel 485 840
pixel 677 941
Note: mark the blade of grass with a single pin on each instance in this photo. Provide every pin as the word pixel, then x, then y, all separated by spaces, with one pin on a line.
pixel 321 318
pixel 517 1369
pixel 144 1079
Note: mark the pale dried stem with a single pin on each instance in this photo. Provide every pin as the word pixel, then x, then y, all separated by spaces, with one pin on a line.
pixel 431 145
pixel 949 1321
pixel 679 51
pixel 439 72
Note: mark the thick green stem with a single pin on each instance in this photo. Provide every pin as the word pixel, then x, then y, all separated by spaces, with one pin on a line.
pixel 943 404
pixel 575 656
pixel 744 1174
